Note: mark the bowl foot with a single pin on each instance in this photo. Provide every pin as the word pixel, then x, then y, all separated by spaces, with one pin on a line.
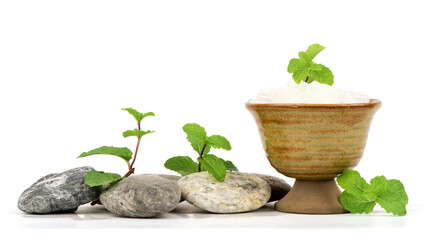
pixel 312 197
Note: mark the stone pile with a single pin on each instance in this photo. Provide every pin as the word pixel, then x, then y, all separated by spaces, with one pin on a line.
pixel 150 195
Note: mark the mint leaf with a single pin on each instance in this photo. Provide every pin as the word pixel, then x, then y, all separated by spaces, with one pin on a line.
pixel 182 165
pixel 323 75
pixel 359 196
pixel 356 203
pixel 137 115
pixel 125 153
pixel 304 58
pixel 304 69
pixel 313 50
pixel 214 166
pixel 294 65
pixel 217 141
pixel 300 73
pixel 98 178
pixel 393 199
pixel 378 184
pixel 144 115
pixel 229 166
pixel 316 67
pixel 352 182
pixel 196 135
pixel 136 133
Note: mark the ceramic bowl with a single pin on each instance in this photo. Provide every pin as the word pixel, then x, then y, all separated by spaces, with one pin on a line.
pixel 313 141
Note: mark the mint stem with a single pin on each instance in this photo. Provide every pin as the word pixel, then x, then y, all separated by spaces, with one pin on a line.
pixel 306 80
pixel 201 156
pixel 131 168
pixel 136 152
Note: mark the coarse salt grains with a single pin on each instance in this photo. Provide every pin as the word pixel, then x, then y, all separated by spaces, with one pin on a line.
pixel 309 93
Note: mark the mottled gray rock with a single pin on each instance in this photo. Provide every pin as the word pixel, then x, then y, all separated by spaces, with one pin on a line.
pixel 58 192
pixel 145 195
pixel 279 187
pixel 240 192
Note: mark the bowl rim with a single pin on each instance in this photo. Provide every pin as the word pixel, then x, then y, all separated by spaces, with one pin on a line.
pixel 372 103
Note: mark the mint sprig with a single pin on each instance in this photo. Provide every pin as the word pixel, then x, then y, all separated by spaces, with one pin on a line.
pixel 202 144
pixel 99 178
pixel 361 197
pixel 304 69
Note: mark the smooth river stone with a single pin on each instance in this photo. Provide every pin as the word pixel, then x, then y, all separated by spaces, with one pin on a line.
pixel 145 195
pixel 58 192
pixel 279 187
pixel 240 192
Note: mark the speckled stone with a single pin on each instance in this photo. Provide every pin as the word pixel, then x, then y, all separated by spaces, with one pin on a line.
pixel 240 192
pixel 58 192
pixel 279 187
pixel 145 195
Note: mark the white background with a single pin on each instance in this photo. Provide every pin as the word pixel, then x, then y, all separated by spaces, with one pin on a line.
pixel 68 67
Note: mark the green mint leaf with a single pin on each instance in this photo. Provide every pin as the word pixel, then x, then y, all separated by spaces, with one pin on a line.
pixel 144 115
pixel 137 115
pixel 182 165
pixel 394 198
pixel 352 182
pixel 378 184
pixel 125 153
pixel 304 58
pixel 136 133
pixel 294 65
pixel 214 166
pixel 196 135
pixel 97 178
pixel 316 66
pixel 369 195
pixel 324 75
pixel 300 72
pixel 304 69
pixel 356 203
pixel 229 166
pixel 217 141
pixel 313 50
pixel 359 196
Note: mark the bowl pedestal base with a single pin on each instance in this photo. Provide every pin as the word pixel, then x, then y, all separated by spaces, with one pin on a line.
pixel 312 197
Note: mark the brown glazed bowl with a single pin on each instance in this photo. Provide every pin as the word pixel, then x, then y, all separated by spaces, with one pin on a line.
pixel 313 142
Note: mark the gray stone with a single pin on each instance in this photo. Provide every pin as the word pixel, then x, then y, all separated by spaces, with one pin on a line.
pixel 279 187
pixel 145 195
pixel 58 192
pixel 240 192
